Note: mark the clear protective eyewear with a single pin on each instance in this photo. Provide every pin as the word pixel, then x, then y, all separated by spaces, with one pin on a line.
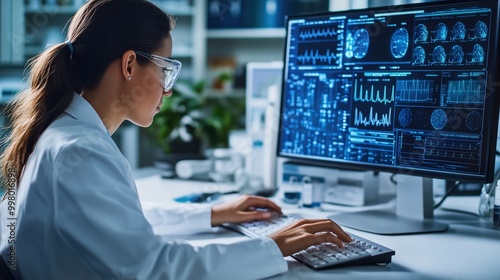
pixel 172 70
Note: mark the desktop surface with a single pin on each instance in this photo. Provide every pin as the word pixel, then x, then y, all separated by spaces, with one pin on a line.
pixel 467 250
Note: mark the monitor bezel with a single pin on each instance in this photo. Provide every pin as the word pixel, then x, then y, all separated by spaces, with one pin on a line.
pixel 490 122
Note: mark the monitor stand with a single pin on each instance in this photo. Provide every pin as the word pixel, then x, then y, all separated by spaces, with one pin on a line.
pixel 414 211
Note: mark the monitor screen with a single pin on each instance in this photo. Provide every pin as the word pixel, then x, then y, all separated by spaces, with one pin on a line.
pixel 405 89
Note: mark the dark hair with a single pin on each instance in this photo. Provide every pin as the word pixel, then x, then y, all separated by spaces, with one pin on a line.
pixel 99 33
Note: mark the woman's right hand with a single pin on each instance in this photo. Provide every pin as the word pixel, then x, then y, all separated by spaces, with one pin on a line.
pixel 304 233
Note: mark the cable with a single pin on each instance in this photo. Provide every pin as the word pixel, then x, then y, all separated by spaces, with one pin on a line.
pixel 446 195
pixel 461 212
pixel 392 179
pixel 448 192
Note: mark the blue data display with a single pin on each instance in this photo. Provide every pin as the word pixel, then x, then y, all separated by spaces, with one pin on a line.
pixel 404 88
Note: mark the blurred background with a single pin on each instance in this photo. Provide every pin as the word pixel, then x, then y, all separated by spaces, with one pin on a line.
pixel 216 104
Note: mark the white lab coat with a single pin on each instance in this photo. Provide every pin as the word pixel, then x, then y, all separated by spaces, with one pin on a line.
pixel 79 217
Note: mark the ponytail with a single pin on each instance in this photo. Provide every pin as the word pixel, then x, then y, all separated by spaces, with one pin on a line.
pixel 97 37
pixel 52 84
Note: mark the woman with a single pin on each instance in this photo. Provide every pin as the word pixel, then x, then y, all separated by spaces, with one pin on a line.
pixel 77 212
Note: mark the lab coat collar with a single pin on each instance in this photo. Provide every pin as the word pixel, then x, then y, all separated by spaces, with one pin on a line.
pixel 80 109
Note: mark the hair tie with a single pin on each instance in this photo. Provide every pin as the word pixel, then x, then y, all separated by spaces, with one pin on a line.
pixel 67 42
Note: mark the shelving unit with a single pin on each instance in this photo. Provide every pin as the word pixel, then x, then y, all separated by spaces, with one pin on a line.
pixel 34 27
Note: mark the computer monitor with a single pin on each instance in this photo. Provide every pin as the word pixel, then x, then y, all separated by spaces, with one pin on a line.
pixel 408 89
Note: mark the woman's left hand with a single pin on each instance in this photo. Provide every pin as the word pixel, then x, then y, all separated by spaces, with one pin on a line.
pixel 243 210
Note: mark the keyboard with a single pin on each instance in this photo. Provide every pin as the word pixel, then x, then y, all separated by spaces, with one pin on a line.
pixel 326 255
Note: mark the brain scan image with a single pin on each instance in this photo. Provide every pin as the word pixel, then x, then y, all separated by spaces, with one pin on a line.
pixel 477 54
pixel 361 42
pixel 405 117
pixel 439 119
pixel 418 55
pixel 399 42
pixel 421 33
pixel 441 32
pixel 480 30
pixel 458 31
pixel 438 55
pixel 473 120
pixel 457 54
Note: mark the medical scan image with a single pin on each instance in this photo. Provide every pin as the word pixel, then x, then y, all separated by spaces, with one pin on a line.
pixel 399 42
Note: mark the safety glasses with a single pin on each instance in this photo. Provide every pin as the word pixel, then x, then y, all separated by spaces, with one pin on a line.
pixel 170 67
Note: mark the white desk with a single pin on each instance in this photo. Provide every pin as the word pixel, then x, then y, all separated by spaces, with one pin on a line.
pixel 470 249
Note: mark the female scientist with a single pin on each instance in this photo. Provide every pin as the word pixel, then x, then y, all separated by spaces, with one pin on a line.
pixel 75 213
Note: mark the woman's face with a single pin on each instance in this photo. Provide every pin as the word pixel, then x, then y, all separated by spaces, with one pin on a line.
pixel 148 91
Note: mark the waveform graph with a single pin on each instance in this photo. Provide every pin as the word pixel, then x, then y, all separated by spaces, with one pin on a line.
pixel 465 91
pixel 452 150
pixel 327 32
pixel 373 92
pixel 371 118
pixel 415 91
pixel 319 55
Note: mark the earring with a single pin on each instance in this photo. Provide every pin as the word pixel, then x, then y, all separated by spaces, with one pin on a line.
pixel 129 78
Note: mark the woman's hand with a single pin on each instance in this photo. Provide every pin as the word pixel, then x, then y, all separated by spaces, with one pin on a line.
pixel 304 233
pixel 243 210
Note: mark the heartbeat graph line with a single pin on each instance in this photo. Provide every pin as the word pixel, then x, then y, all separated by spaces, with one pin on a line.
pixel 315 57
pixel 414 90
pixel 371 95
pixel 373 118
pixel 318 33
pixel 465 92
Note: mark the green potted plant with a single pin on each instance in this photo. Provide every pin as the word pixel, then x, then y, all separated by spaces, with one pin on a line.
pixel 224 81
pixel 190 121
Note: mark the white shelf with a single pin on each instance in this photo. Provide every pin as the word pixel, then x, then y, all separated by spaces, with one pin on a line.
pixel 246 33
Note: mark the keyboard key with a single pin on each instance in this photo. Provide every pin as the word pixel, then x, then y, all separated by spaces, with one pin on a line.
pixel 359 251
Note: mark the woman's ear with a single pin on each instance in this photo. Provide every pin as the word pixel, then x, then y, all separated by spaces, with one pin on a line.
pixel 129 64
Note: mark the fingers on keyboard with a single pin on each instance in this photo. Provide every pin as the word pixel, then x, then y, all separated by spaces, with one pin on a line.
pixel 325 225
pixel 322 237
